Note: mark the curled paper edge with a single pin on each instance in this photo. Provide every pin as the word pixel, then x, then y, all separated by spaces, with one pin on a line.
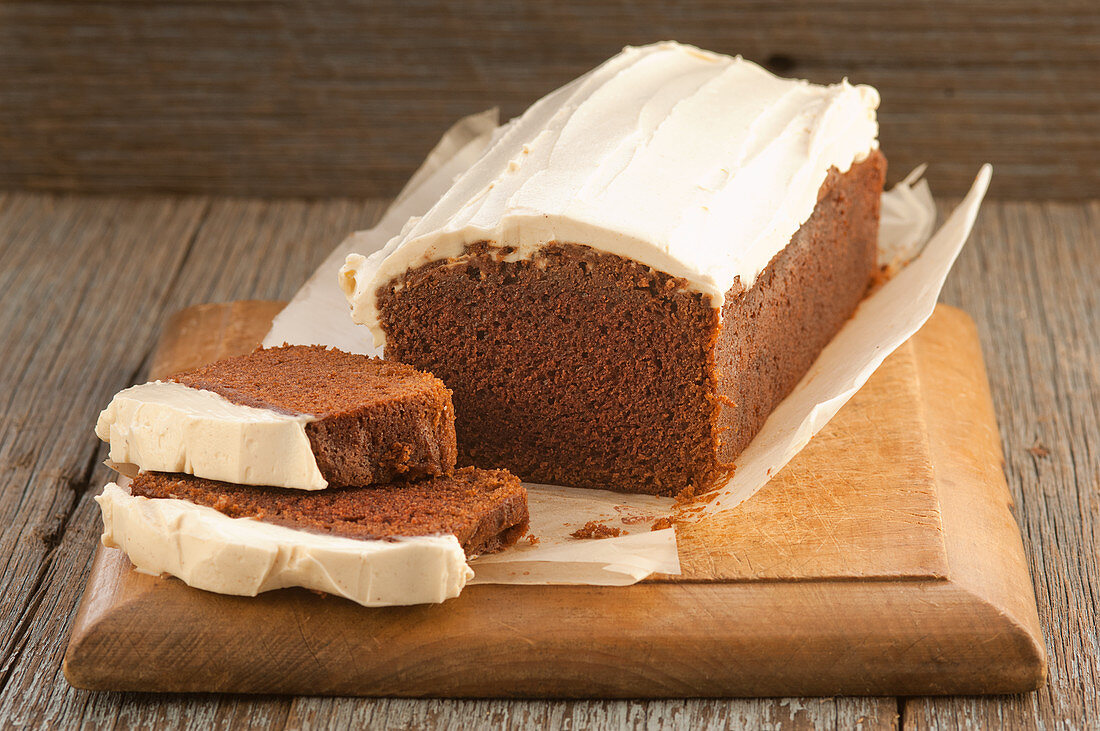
pixel 638 556
pixel 907 219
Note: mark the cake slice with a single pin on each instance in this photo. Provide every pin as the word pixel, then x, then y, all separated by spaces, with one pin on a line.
pixel 638 269
pixel 402 543
pixel 303 417
pixel 486 510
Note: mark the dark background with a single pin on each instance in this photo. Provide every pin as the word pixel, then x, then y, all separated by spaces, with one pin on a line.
pixel 326 98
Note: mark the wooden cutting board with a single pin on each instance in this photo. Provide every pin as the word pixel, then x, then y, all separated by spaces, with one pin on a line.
pixel 884 559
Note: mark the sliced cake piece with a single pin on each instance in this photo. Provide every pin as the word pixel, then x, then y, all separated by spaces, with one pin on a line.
pixel 303 417
pixel 403 543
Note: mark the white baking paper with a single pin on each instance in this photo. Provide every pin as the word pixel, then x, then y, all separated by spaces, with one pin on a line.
pixel 906 220
pixel 319 314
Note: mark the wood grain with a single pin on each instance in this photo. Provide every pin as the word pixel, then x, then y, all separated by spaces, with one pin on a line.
pixel 1027 277
pixel 47 399
pixel 286 98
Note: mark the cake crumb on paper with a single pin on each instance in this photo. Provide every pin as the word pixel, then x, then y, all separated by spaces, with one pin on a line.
pixel 595 529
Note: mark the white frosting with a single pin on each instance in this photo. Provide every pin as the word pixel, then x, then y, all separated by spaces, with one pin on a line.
pixel 169 427
pixel 694 163
pixel 209 550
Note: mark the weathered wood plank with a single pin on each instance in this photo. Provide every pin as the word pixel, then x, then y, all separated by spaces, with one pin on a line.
pixel 251 249
pixel 1029 278
pixel 865 714
pixel 288 98
pixel 36 694
pixel 69 341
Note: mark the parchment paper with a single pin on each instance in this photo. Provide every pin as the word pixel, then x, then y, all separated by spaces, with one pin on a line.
pixel 319 314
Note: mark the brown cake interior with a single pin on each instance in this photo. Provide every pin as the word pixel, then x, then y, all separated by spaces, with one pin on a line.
pixel 581 368
pixel 485 509
pixel 575 367
pixel 377 420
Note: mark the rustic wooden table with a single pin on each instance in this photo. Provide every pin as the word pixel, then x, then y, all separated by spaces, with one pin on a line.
pixel 86 283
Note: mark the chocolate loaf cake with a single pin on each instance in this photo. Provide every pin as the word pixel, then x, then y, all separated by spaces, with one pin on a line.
pixel 601 372
pixel 638 269
pixel 303 417
pixel 486 510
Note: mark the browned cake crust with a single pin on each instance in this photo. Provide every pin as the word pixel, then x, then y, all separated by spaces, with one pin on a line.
pixel 485 509
pixel 377 420
pixel 582 368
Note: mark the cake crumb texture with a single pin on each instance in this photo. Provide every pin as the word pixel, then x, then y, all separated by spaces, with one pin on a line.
pixel 485 509
pixel 376 420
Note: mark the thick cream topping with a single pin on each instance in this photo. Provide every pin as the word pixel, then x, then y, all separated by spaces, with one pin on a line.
pixel 164 426
pixel 694 163
pixel 209 550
